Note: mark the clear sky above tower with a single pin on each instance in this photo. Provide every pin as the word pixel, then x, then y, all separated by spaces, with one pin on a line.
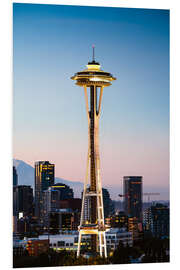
pixel 53 42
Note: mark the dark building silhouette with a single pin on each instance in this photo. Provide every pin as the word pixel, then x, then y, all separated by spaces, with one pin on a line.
pixel 22 200
pixel 15 201
pixel 53 198
pixel 74 204
pixel 63 220
pixel 44 178
pixel 15 176
pixel 35 247
pixel 156 220
pixel 119 220
pixel 107 203
pixel 65 192
pixel 133 197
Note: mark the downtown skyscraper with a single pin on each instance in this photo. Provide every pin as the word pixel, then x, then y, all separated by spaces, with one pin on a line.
pixel 133 197
pixel 44 178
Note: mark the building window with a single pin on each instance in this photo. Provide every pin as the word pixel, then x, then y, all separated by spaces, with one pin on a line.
pixel 61 243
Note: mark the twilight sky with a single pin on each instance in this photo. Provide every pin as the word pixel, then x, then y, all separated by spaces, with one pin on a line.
pixel 50 44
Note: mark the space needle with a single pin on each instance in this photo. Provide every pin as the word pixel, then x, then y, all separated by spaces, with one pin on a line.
pixel 93 80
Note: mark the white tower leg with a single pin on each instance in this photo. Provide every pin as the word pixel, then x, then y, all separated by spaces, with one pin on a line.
pixel 79 244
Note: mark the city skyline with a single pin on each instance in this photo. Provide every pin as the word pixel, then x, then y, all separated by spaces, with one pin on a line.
pixel 49 113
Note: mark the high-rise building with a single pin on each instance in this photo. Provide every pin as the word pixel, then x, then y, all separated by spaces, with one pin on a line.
pixel 133 197
pixel 107 203
pixel 52 198
pixel 15 201
pixel 22 200
pixel 156 220
pixel 44 178
pixel 65 192
pixel 15 176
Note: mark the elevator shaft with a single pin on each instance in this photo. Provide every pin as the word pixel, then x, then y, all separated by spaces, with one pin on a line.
pixel 93 183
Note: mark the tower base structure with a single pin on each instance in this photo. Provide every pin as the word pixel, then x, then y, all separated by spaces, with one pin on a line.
pixel 90 230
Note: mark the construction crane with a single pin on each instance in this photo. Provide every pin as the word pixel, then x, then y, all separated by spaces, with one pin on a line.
pixel 144 194
pixel 149 194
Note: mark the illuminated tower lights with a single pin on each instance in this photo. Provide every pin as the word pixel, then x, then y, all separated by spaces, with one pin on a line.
pixel 94 79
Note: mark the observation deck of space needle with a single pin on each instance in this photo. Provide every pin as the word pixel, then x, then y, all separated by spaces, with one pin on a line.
pixel 93 79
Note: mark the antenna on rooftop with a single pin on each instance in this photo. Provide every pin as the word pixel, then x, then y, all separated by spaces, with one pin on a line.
pixel 93 46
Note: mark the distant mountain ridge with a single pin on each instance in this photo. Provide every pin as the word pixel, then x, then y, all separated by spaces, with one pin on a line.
pixel 26 177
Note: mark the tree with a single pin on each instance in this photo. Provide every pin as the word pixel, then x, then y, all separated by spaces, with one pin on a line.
pixel 121 254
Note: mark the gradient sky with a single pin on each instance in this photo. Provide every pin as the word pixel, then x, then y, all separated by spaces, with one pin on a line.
pixel 53 42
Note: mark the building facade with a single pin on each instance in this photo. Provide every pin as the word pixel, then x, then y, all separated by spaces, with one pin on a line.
pixel 65 192
pixel 115 235
pixel 156 220
pixel 35 247
pixel 15 177
pixel 22 200
pixel 53 198
pixel 107 203
pixel 133 196
pixel 69 240
pixel 44 178
pixel 118 220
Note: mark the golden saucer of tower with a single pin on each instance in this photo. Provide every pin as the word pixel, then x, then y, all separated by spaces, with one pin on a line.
pixel 93 75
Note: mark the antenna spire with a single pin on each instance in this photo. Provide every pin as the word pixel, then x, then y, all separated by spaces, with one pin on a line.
pixel 93 46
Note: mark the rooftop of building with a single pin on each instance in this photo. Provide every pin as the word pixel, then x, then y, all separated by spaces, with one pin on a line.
pixel 117 230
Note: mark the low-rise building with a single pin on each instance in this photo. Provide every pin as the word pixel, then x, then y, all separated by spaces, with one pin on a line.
pixel 68 240
pixel 115 235
pixel 118 220
pixel 37 246
pixel 62 241
pixel 18 246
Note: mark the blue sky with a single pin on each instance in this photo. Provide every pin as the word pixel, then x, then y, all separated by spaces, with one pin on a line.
pixel 53 42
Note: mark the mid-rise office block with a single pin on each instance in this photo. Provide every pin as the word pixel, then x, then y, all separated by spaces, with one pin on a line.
pixel 53 199
pixel 65 192
pixel 119 220
pixel 156 220
pixel 22 200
